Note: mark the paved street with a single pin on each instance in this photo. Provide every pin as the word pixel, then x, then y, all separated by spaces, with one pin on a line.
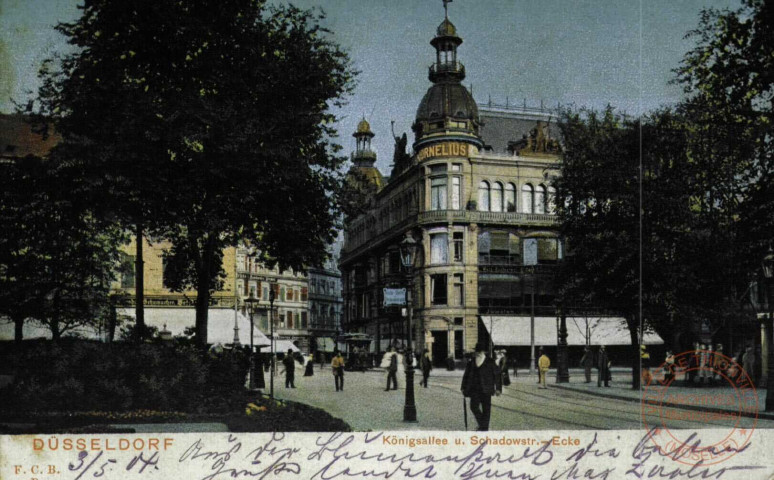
pixel 366 406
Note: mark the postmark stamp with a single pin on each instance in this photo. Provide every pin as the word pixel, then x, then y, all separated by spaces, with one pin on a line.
pixel 674 407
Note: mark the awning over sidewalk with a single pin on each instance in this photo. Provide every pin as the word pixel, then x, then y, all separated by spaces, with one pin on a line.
pixel 32 330
pixel 220 324
pixel 515 331
pixel 282 346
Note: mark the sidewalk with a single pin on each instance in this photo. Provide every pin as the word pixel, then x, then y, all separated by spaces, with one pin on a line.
pixel 676 396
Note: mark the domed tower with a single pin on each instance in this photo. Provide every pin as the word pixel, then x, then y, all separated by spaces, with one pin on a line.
pixel 447 111
pixel 364 158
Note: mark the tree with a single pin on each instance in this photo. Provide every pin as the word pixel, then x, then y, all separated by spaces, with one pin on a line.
pixel 629 207
pixel 224 107
pixel 728 79
pixel 56 261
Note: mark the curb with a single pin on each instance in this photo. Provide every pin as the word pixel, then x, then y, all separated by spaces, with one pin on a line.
pixel 760 414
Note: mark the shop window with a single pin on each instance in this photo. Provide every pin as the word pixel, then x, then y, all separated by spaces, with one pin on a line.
pixel 438 289
pixel 458 246
pixel 439 246
pixel 456 167
pixel 290 319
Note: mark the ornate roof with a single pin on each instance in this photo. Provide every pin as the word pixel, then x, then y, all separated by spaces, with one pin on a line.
pixel 446 29
pixel 447 100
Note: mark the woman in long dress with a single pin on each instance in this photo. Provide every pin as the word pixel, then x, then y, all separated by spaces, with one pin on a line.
pixel 309 366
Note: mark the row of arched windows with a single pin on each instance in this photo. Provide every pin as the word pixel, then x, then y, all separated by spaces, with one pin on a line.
pixel 496 197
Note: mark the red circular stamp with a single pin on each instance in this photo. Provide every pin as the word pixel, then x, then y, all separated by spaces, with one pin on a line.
pixel 699 405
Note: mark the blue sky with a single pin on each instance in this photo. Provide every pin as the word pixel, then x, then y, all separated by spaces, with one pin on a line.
pixel 584 52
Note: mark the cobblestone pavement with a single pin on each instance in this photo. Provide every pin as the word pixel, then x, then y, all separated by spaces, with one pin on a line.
pixel 523 406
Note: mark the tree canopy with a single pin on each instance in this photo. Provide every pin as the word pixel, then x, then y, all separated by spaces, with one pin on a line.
pixel 211 120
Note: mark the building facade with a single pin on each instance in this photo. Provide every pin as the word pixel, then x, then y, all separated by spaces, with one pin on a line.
pixel 476 192
pixel 325 303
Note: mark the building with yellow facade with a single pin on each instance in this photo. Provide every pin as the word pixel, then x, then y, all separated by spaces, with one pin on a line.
pixel 476 191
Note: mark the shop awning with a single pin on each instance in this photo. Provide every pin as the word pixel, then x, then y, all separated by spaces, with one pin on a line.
pixel 220 324
pixel 515 331
pixel 32 330
pixel 282 346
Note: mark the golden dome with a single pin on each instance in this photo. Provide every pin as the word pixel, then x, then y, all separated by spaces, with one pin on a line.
pixel 446 29
pixel 363 126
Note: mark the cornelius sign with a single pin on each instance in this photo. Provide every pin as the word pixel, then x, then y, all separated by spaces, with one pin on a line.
pixel 446 149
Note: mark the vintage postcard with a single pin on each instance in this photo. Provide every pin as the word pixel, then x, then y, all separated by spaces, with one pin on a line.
pixel 332 239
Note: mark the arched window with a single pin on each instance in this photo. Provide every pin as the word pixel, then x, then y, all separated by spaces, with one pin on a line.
pixel 540 199
pixel 483 196
pixel 496 200
pixel 526 198
pixel 551 203
pixel 510 197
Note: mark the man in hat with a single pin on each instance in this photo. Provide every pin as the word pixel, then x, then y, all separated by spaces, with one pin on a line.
pixel 603 366
pixel 480 381
pixel 290 369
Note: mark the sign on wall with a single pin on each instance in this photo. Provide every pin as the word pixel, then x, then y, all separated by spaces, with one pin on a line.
pixel 394 296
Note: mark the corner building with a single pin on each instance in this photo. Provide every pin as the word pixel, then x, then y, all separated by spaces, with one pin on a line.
pixel 475 190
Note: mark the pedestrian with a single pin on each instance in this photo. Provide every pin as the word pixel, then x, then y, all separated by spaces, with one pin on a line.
pixel 647 378
pixel 480 381
pixel 669 367
pixel 322 359
pixel 392 369
pixel 603 367
pixel 502 364
pixel 337 367
pixel 719 365
pixel 693 365
pixel 290 369
pixel 543 364
pixel 309 366
pixel 705 366
pixel 587 361
pixel 426 364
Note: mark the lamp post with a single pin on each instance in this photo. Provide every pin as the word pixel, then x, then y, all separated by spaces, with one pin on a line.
pixel 767 265
pixel 562 354
pixel 408 256
pixel 271 339
pixel 250 301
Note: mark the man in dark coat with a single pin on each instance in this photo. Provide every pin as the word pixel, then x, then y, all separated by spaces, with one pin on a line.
pixel 392 371
pixel 480 381
pixel 426 364
pixel 603 365
pixel 290 369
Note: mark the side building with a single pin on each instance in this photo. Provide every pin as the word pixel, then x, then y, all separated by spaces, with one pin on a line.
pixel 325 304
pixel 476 192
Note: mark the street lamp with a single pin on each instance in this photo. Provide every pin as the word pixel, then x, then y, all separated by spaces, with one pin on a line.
pixel 251 301
pixel 408 257
pixel 767 265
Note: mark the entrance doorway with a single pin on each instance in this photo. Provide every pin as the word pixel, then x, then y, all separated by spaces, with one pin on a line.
pixel 440 347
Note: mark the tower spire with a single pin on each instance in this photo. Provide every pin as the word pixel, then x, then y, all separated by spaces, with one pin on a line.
pixel 446 8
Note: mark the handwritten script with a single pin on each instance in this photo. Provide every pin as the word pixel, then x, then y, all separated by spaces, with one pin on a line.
pixel 374 455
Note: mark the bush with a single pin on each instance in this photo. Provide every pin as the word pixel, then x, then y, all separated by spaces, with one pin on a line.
pixel 77 375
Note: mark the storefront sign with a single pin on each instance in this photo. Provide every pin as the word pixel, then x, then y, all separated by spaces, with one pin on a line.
pixel 445 149
pixel 394 296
